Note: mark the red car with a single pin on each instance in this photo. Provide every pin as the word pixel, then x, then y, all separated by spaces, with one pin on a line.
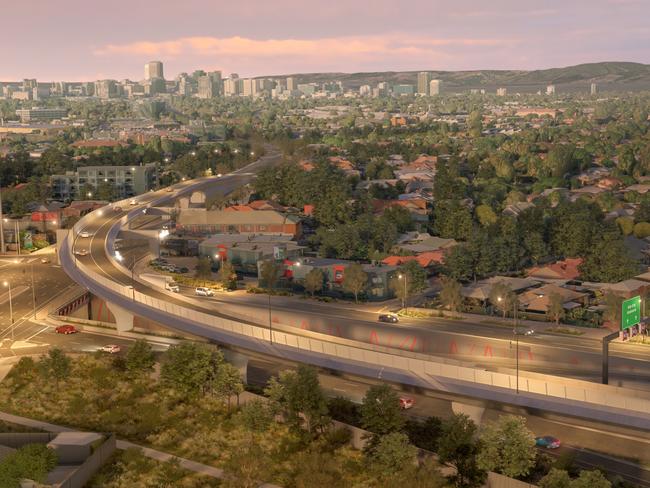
pixel 66 329
pixel 405 403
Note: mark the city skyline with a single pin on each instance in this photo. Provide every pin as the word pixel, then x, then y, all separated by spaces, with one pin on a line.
pixel 300 37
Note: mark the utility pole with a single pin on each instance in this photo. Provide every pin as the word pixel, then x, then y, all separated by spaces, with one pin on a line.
pixel 270 321
pixel 33 291
pixel 2 231
pixel 517 343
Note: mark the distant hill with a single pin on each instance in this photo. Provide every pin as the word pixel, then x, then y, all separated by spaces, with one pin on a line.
pixel 615 76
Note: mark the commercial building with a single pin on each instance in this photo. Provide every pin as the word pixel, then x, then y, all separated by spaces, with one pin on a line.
pixel 502 92
pixel 593 89
pixel 424 78
pixel 127 180
pixel 204 222
pixel 210 85
pixel 153 69
pixel 41 114
pixel 400 90
pixel 434 87
pixel 550 90
pixel 291 84
pixel 105 89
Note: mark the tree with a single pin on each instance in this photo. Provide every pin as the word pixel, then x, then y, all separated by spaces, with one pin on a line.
pixel 317 469
pixel 555 478
pixel 502 297
pixel 609 261
pixel 485 215
pixel 424 434
pixel 228 276
pixel 270 274
pixel 256 415
pixel 227 382
pixel 612 304
pixel 459 447
pixel 460 263
pixel 189 368
pixel 590 479
pixel 56 364
pixel 393 454
pixel 450 295
pixel 299 392
pixel 411 279
pixel 380 412
pixel 626 225
pixel 247 466
pixel 354 280
pixel 32 461
pixel 203 270
pixel 314 281
pixel 508 447
pixel 140 358
pixel 555 309
pixel 642 230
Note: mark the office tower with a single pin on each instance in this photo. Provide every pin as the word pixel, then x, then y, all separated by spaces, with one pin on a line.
pixel 29 84
pixel 234 76
pixel 502 92
pixel 105 89
pixel 291 84
pixel 365 90
pixel 184 85
pixel 210 85
pixel 550 90
pixel 593 89
pixel 424 78
pixel 434 87
pixel 153 69
pixel 231 87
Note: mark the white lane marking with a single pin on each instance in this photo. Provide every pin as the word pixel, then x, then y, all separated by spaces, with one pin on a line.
pixel 34 335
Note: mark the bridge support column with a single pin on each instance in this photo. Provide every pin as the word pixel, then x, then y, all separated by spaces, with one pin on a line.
pixel 123 318
pixel 474 412
pixel 154 247
pixel 239 361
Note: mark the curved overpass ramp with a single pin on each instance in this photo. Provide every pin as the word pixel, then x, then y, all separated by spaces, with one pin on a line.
pixel 103 275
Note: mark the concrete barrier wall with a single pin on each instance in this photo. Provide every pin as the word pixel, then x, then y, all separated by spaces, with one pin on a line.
pixel 80 476
pixel 20 439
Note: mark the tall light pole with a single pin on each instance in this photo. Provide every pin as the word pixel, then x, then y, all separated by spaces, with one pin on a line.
pixel 404 302
pixel 17 238
pixel 514 333
pixel 2 231
pixel 11 309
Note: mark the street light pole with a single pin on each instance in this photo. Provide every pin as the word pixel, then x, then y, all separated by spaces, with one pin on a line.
pixel 2 231
pixel 132 279
pixel 11 310
pixel 517 343
pixel 33 291
pixel 270 321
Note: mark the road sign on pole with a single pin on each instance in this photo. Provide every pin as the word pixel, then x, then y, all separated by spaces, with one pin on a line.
pixel 630 312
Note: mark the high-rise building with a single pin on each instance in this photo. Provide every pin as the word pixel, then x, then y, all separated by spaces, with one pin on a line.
pixel 502 92
pixel 550 90
pixel 105 89
pixel 234 76
pixel 593 89
pixel 29 84
pixel 153 69
pixel 424 78
pixel 210 85
pixel 434 87
pixel 291 84
pixel 231 87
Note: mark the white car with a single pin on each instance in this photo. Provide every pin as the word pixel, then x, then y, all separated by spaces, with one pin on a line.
pixel 111 348
pixel 203 292
pixel 172 287
pixel 169 189
pixel 81 252
pixel 133 201
pixel 84 233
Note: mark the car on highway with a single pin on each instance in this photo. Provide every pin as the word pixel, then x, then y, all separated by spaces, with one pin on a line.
pixel 526 331
pixel 169 189
pixel 45 260
pixel 84 233
pixel 133 201
pixel 117 209
pixel 110 348
pixel 66 329
pixel 203 292
pixel 406 402
pixel 548 441
pixel 388 317
pixel 81 252
pixel 172 287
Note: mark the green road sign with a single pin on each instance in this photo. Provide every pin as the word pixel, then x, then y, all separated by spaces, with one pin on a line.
pixel 630 312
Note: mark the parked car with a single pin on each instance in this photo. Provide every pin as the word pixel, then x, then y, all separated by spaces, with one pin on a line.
pixel 172 287
pixel 203 292
pixel 547 441
pixel 111 348
pixel 406 402
pixel 183 269
pixel 66 329
pixel 388 317
pixel 81 252
pixel 45 260
pixel 84 233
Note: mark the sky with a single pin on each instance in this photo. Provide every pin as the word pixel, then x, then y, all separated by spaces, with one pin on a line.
pixel 85 40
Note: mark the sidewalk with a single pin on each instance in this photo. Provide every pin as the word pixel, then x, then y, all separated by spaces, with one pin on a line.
pixel 150 453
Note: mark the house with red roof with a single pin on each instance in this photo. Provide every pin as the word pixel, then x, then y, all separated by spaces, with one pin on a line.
pixel 560 270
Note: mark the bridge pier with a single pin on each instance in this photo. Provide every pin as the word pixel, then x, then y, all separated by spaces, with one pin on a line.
pixel 123 318
pixel 474 412
pixel 239 361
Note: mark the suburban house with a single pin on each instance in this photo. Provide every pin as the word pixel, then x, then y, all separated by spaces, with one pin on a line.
pixel 256 205
pixel 423 242
pixel 200 221
pixel 344 165
pixel 565 270
pixel 480 291
pixel 427 259
pixel 537 300
pixel 515 209
pixel 627 288
pixel 377 286
pixel 417 207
